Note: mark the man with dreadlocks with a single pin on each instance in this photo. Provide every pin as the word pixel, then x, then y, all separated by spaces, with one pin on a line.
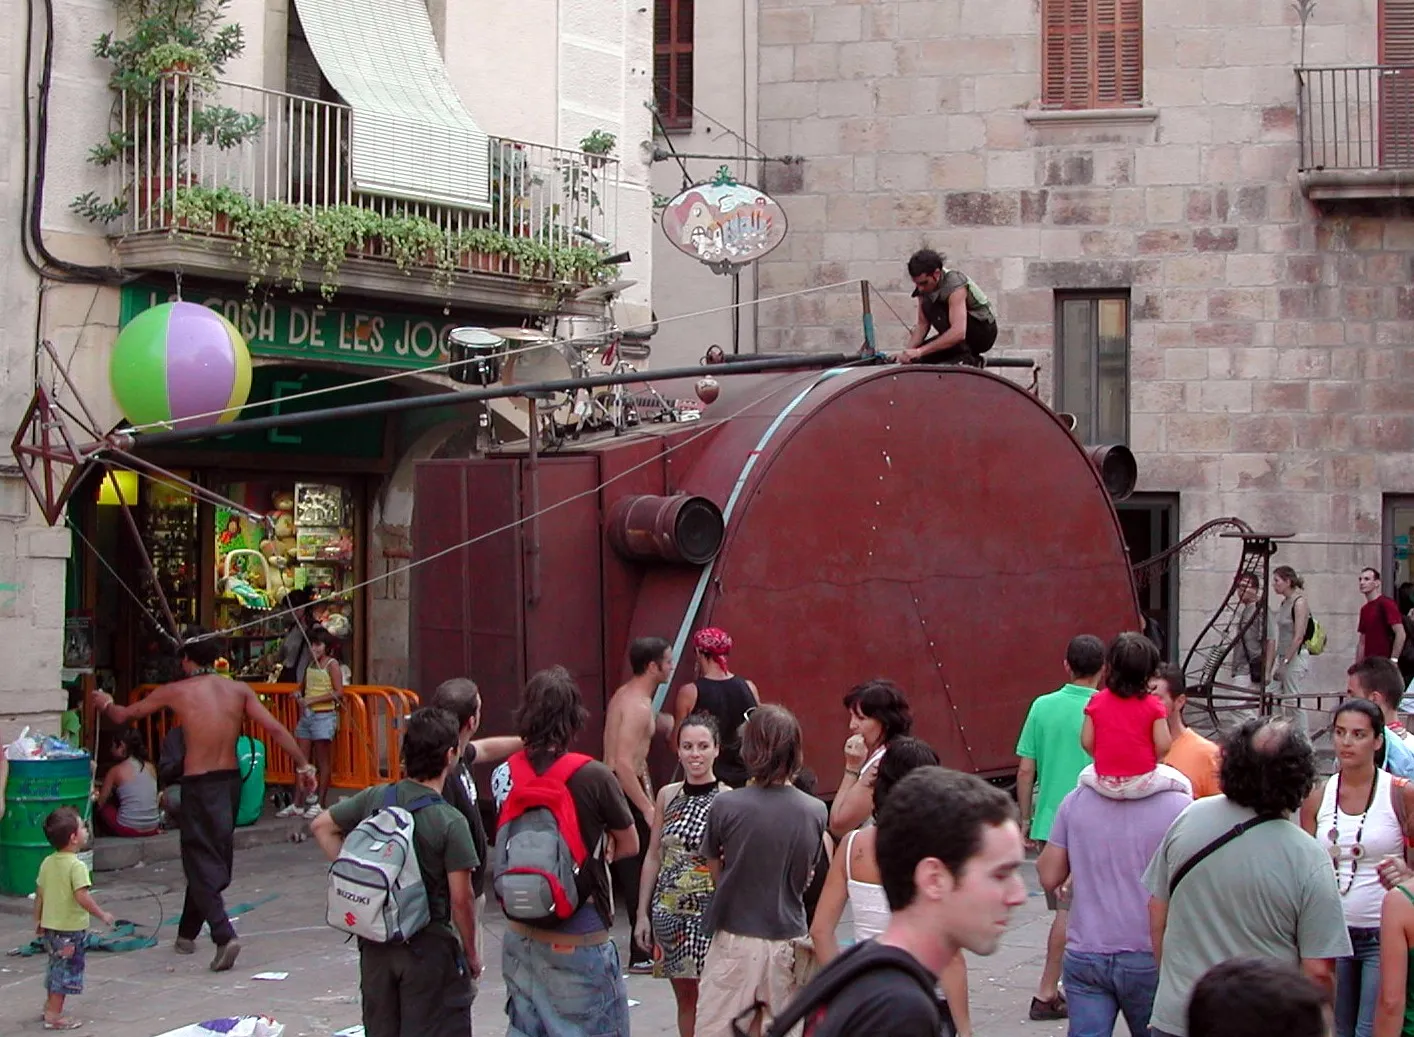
pixel 210 709
pixel 727 697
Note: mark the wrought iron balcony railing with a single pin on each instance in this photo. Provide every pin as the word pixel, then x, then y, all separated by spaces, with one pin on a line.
pixel 1356 118
pixel 271 148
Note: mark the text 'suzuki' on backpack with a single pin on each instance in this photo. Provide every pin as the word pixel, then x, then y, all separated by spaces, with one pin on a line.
pixel 375 884
pixel 539 850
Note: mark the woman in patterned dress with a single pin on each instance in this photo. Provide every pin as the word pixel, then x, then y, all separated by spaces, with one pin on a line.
pixel 676 883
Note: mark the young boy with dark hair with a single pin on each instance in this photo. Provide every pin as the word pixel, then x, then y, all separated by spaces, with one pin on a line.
pixel 62 905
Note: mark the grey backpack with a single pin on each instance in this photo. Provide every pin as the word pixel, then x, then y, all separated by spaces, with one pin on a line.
pixel 375 884
pixel 539 849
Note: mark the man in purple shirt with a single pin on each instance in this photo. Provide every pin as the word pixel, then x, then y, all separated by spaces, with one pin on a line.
pixel 1102 846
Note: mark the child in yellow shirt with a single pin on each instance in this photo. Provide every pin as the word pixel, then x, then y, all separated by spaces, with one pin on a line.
pixel 62 905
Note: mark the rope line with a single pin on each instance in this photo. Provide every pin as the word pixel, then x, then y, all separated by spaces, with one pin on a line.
pixel 523 520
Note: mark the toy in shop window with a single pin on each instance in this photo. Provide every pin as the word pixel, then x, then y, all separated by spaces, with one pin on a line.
pixel 246 585
pixel 319 505
pixel 325 545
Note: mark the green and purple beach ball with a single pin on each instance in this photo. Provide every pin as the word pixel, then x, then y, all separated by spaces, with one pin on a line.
pixel 180 364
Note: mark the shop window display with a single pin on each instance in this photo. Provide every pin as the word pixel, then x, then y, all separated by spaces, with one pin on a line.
pixel 170 535
pixel 307 544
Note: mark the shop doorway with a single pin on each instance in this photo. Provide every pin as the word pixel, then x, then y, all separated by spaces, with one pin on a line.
pixel 1397 543
pixel 1150 525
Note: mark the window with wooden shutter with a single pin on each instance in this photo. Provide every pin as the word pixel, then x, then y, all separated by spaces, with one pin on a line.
pixel 672 62
pixel 1092 53
pixel 1396 27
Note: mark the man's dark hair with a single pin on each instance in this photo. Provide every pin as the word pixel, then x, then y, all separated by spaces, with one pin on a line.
pixel 924 261
pixel 430 732
pixel 1244 996
pixel 1366 709
pixel 703 719
pixel 296 599
pixel 934 812
pixel 551 711
pixel 1372 571
pixel 1172 676
pixel 645 651
pixel 200 647
pixel 1249 580
pixel 1379 677
pixel 1085 655
pixel 903 756
pixel 60 826
pixel 1132 660
pixel 1268 765
pixel 460 697
pixel 770 745
pixel 883 701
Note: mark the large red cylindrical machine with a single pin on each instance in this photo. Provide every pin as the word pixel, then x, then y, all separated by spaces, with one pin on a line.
pixel 938 526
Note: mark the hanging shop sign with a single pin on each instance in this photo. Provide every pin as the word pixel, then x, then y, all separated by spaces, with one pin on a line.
pixel 380 338
pixel 724 224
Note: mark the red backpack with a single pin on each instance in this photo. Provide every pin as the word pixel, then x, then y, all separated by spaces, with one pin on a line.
pixel 539 850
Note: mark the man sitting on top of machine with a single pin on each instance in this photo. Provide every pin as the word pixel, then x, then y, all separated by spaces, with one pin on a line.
pixel 949 301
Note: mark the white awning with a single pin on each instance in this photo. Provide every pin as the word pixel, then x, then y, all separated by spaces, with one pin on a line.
pixel 411 136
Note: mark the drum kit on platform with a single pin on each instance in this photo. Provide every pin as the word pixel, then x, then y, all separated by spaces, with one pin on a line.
pixel 531 356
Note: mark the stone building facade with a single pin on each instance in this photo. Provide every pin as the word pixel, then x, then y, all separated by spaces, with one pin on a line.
pixel 1263 360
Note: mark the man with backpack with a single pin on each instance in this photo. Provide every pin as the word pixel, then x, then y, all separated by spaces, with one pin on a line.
pixel 950 855
pixel 950 303
pixel 563 818
pixel 415 976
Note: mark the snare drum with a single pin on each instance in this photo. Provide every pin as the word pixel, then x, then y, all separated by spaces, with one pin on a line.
pixel 477 354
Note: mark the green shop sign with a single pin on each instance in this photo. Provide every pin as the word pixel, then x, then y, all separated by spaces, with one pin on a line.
pixel 300 331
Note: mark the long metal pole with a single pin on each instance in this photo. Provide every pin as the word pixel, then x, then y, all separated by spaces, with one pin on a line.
pixel 128 440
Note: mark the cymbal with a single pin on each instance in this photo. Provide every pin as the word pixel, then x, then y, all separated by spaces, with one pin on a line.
pixel 521 334
pixel 605 291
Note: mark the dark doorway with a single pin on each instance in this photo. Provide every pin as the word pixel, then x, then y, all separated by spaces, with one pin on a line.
pixel 1150 525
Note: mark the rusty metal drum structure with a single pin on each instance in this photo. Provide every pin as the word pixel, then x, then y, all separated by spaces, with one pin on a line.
pixel 938 526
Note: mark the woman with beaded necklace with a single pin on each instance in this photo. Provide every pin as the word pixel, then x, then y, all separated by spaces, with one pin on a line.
pixel 1355 816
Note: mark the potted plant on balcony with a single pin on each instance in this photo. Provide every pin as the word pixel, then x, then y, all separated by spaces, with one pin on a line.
pixel 164 75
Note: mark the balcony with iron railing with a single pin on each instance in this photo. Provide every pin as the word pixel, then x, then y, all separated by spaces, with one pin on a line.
pixel 1357 132
pixel 226 180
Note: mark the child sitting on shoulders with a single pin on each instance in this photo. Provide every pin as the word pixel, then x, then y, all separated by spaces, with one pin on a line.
pixel 1126 727
pixel 62 905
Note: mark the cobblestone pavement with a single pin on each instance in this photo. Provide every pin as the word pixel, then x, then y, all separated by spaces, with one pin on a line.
pixel 147 992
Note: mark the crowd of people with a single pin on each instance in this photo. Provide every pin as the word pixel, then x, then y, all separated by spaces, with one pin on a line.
pixel 1198 889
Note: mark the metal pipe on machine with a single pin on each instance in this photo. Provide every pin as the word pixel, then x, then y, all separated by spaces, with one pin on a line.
pixel 684 529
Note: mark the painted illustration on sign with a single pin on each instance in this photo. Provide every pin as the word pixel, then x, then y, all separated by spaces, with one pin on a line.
pixel 723 223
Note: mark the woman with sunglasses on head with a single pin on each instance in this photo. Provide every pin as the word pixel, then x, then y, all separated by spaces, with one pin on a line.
pixel 676 885
pixel 878 713
pixel 1354 814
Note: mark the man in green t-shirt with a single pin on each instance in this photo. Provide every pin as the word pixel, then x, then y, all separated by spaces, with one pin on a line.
pixel 1051 761
pixel 426 984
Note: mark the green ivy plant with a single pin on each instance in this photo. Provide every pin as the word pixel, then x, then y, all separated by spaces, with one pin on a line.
pixel 277 240
pixel 163 72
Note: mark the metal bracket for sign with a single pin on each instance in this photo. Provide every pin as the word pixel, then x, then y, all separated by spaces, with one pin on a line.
pixel 663 155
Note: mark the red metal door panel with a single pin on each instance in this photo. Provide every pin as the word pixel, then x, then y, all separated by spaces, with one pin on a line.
pixel 564 626
pixel 437 613
pixel 466 604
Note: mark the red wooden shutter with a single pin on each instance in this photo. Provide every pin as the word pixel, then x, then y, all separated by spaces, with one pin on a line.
pixel 1130 31
pixel 1065 68
pixel 672 62
pixel 1396 28
pixel 1092 53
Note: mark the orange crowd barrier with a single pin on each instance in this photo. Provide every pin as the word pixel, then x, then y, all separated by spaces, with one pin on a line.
pixel 367 747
